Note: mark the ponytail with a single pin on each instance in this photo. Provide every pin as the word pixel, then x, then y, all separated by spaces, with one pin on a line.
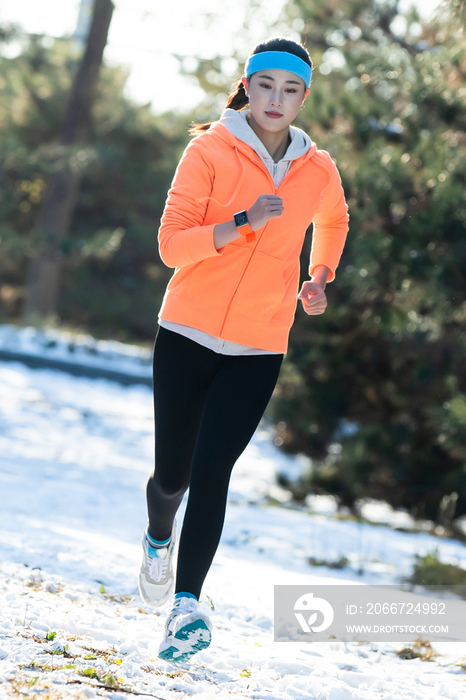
pixel 237 99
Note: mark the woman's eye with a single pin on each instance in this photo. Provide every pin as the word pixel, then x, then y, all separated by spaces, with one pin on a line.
pixel 269 87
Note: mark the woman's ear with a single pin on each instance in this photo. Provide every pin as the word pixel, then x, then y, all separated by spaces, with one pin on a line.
pixel 245 85
pixel 306 93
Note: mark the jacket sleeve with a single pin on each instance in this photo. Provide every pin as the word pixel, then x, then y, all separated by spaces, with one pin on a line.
pixel 330 225
pixel 183 239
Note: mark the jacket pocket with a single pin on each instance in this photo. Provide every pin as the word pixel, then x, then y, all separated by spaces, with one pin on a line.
pixel 213 281
pixel 261 289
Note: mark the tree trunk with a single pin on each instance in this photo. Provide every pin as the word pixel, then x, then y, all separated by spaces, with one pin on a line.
pixel 63 186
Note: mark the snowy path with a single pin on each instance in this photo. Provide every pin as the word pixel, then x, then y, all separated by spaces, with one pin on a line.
pixel 75 455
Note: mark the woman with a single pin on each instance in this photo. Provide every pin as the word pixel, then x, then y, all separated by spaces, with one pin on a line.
pixel 244 193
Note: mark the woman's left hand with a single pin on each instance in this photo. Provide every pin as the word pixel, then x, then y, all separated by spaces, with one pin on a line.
pixel 313 298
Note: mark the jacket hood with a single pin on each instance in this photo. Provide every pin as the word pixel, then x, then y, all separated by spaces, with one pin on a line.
pixel 233 128
pixel 237 123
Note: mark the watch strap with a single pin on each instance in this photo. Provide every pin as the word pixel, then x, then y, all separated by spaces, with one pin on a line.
pixel 245 230
pixel 242 224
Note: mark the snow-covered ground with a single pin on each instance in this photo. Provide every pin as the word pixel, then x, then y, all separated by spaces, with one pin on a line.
pixel 75 455
pixel 71 347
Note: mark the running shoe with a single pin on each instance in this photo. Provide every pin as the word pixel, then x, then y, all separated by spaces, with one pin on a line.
pixel 187 631
pixel 156 577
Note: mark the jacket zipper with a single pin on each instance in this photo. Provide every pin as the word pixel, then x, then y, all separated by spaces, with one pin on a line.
pixel 239 282
pixel 252 253
pixel 275 166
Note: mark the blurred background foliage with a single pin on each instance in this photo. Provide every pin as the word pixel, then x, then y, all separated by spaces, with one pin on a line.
pixel 113 279
pixel 373 391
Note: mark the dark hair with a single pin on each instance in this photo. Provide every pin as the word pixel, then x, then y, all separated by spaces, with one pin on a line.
pixel 237 98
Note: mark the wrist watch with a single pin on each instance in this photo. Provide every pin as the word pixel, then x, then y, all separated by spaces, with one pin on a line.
pixel 242 223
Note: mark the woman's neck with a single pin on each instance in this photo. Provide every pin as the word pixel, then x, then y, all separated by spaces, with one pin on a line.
pixel 276 142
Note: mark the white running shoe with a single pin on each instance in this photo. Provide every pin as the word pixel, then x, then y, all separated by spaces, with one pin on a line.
pixel 156 578
pixel 187 631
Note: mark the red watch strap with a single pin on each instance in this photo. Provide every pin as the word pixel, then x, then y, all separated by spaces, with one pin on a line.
pixel 245 230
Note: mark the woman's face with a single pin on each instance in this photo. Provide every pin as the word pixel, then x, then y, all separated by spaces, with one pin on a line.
pixel 275 97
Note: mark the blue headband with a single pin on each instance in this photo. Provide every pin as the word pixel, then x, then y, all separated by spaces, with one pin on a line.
pixel 268 60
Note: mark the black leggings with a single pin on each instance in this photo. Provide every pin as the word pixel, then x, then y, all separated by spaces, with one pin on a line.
pixel 207 407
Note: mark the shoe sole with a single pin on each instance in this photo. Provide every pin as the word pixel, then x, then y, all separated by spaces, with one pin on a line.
pixel 183 651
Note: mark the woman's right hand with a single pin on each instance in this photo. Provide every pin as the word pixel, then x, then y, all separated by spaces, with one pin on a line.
pixel 266 207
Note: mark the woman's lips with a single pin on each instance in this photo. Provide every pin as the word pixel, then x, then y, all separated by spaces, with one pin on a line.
pixel 274 115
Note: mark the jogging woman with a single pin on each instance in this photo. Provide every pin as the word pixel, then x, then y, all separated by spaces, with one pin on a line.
pixel 245 191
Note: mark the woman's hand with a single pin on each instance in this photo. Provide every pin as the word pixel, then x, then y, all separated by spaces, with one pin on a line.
pixel 266 207
pixel 313 297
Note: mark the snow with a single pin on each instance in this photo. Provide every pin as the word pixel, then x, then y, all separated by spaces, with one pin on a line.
pixel 75 455
pixel 72 347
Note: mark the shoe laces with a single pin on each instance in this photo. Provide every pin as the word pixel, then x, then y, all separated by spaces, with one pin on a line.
pixel 158 568
pixel 158 561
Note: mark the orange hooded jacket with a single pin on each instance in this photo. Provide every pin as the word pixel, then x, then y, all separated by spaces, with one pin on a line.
pixel 245 292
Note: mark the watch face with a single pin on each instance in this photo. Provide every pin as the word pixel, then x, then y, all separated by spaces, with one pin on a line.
pixel 241 219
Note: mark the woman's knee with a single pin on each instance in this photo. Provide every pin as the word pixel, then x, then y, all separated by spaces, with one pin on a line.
pixel 167 487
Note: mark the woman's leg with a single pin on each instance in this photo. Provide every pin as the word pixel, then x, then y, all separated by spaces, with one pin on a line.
pixel 182 373
pixel 236 400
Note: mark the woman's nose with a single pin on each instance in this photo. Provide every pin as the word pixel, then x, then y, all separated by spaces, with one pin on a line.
pixel 275 99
